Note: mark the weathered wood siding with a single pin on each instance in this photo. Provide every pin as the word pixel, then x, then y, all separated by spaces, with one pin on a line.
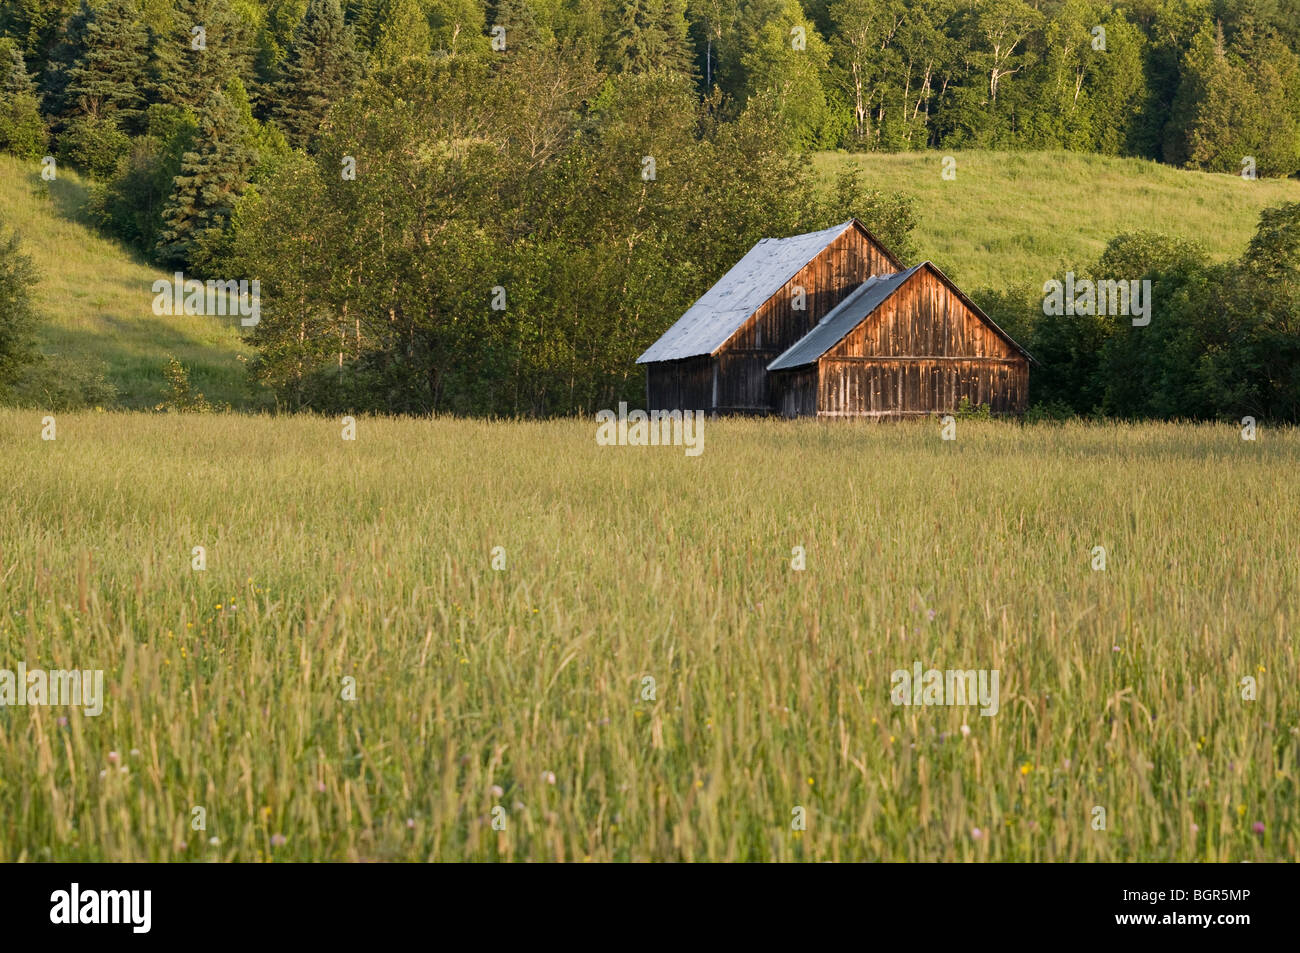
pixel 845 263
pixel 892 388
pixel 680 385
pixel 795 392
pixel 921 352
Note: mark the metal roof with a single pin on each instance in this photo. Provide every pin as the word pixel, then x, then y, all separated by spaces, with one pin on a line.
pixel 720 311
pixel 842 319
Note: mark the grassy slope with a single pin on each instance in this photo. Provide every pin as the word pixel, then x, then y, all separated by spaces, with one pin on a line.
pixel 96 297
pixel 1012 218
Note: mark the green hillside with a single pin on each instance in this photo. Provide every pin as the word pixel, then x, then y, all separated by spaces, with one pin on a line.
pixel 96 299
pixel 1011 218
pixel 1006 219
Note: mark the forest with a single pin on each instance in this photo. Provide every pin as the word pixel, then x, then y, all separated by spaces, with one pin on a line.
pixel 490 209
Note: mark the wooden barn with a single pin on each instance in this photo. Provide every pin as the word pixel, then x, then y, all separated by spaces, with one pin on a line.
pixel 830 324
pixel 902 344
pixel 715 357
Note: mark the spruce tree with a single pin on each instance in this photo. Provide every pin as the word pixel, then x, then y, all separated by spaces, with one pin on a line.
pixel 522 31
pixel 62 58
pixel 678 52
pixel 189 67
pixel 13 70
pixel 90 89
pixel 649 35
pixel 365 17
pixel 18 316
pixel 322 67
pixel 211 180
pixel 35 25
pixel 22 128
pixel 107 79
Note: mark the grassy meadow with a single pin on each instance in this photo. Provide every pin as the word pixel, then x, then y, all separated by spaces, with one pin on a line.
pixel 1011 218
pixel 525 689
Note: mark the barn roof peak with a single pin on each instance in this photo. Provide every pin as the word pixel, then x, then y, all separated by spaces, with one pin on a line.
pixel 858 306
pixel 721 311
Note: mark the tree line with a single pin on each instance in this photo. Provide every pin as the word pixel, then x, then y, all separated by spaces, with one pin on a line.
pixel 492 208
pixel 1196 83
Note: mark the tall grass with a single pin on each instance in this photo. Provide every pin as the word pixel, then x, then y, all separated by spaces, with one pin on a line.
pixel 371 559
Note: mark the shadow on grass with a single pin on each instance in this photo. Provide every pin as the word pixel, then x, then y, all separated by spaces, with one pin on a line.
pixel 136 356
pixel 105 319
pixel 70 201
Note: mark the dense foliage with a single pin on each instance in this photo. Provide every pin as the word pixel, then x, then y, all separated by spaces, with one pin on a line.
pixel 1223 340
pixel 513 237
pixel 492 207
pixel 1202 83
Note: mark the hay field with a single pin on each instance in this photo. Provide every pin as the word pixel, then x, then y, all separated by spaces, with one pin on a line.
pixel 525 689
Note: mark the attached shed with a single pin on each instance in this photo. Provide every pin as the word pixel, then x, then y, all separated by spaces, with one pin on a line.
pixel 905 343
pixel 715 357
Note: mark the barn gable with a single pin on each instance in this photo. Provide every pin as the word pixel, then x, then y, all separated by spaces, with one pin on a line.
pixel 954 326
pixel 830 324
pixel 850 312
pixel 765 270
pixel 902 344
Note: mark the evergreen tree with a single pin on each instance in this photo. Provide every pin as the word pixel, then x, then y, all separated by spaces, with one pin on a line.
pixel 365 17
pixel 322 67
pixel 274 34
pixel 205 46
pixel 35 25
pixel 130 205
pixel 522 29
pixel 14 78
pixel 22 128
pixel 62 58
pixel 17 313
pixel 1237 101
pixel 649 35
pixel 107 79
pixel 211 180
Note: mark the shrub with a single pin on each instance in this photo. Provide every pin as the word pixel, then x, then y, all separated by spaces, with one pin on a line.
pixel 1053 411
pixel 129 206
pixel 94 146
pixel 181 396
pixel 968 411
pixel 22 130
pixel 17 314
pixel 56 383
